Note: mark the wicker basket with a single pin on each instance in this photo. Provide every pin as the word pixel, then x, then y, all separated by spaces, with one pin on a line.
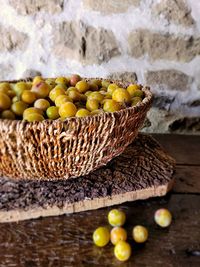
pixel 50 150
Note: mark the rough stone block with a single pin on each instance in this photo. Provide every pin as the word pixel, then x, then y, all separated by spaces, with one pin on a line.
pixel 12 39
pixel 176 11
pixel 163 46
pixel 124 76
pixel 111 6
pixel 30 7
pixel 85 43
pixel 173 79
pixel 185 124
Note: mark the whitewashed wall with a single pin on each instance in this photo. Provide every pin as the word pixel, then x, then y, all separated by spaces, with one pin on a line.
pixel 156 42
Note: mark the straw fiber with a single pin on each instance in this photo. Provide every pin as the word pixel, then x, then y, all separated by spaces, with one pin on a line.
pixel 51 150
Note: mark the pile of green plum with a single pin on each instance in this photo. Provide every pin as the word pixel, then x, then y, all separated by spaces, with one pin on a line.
pixel 64 97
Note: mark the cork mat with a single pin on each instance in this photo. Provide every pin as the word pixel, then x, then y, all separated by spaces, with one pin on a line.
pixel 144 170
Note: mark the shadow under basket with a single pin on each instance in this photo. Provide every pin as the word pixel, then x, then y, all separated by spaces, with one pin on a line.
pixel 52 150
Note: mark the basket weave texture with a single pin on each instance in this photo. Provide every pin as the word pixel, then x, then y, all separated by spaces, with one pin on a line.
pixel 51 150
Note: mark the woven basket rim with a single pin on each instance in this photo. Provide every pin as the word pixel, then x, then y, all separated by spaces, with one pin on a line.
pixel 146 101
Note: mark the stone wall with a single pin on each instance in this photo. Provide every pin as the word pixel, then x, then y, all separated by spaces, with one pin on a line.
pixel 155 42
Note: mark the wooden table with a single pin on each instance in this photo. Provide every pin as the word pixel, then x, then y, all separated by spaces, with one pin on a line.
pixel 66 240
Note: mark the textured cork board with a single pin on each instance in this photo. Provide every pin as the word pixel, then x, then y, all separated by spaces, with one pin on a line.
pixel 144 170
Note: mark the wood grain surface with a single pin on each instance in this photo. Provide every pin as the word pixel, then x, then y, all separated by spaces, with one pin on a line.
pixel 187 179
pixel 184 148
pixel 67 240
